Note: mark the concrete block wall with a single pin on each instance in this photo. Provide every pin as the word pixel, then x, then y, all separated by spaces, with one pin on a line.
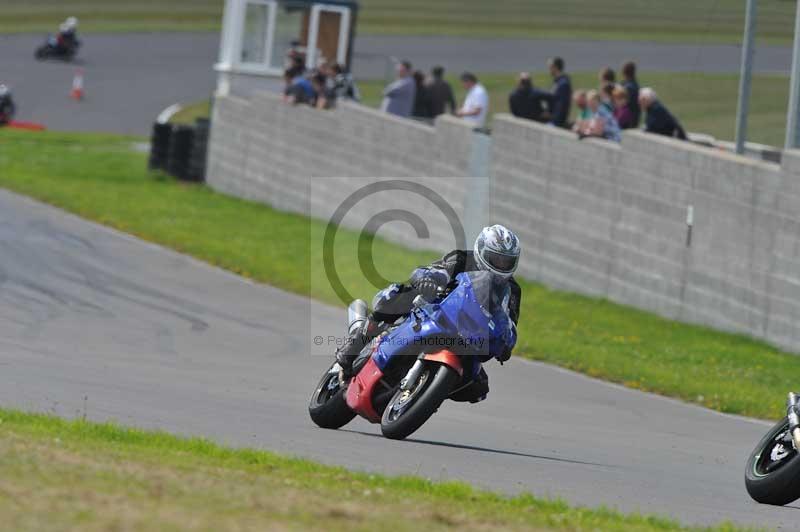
pixel 611 221
pixel 304 160
pixel 598 218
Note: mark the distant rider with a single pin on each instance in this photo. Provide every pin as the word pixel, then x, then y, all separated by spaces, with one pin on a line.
pixel 67 37
pixel 496 250
pixel 7 107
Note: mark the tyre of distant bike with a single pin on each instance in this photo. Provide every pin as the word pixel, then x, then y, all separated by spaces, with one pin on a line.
pixel 772 474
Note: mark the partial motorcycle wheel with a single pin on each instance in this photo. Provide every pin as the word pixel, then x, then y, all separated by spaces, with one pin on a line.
pixel 409 410
pixel 328 406
pixel 41 53
pixel 772 475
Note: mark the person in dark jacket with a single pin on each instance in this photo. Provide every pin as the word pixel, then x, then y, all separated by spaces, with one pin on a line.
pixel 632 86
pixel 659 120
pixel 561 94
pixel 440 93
pixel 422 98
pixel 526 101
pixel 343 83
pixel 607 76
pixel 496 250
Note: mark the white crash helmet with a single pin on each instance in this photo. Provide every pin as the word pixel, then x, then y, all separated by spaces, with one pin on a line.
pixel 4 91
pixel 71 23
pixel 497 250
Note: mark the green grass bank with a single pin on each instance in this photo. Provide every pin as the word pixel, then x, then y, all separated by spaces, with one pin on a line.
pixel 77 475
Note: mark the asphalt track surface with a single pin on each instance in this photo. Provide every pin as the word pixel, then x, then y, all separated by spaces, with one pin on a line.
pixel 130 78
pixel 97 323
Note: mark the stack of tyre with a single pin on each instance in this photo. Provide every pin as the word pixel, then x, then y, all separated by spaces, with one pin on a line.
pixel 197 160
pixel 159 146
pixel 180 150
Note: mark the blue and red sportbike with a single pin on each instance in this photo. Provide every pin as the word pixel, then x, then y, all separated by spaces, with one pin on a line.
pixel 417 362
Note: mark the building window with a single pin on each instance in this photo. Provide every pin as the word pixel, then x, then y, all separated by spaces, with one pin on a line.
pixel 254 36
pixel 289 29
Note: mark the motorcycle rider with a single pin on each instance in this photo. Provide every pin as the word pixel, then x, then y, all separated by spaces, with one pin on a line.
pixel 496 250
pixel 7 107
pixel 67 37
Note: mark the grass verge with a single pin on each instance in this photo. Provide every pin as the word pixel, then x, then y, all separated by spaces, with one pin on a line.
pixel 191 112
pixel 99 177
pixel 25 16
pixel 57 474
pixel 700 21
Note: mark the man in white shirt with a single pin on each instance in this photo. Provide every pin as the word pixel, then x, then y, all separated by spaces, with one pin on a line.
pixel 476 104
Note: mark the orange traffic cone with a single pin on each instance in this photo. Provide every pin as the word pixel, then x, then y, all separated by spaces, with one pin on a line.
pixel 77 86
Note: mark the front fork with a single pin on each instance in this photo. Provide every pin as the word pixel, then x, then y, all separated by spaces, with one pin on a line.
pixel 444 356
pixel 794 419
pixel 412 376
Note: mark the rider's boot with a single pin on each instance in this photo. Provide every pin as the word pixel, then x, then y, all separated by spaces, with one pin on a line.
pixel 347 353
pixel 358 339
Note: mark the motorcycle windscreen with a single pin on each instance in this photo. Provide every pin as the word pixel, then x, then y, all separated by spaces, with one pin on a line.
pixel 476 309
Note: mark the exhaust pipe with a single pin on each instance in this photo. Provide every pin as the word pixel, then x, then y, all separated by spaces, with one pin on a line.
pixel 794 419
pixel 357 314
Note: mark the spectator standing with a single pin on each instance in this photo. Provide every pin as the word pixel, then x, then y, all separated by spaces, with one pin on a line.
pixel 476 103
pixel 659 120
pixel 298 88
pixel 398 96
pixel 607 96
pixel 622 109
pixel 603 124
pixel 525 101
pixel 584 114
pixel 343 83
pixel 561 94
pixel 422 98
pixel 607 76
pixel 441 93
pixel 632 86
pixel 324 94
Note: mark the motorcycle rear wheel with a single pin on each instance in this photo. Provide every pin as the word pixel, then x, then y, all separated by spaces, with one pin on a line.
pixel 772 474
pixel 409 410
pixel 328 405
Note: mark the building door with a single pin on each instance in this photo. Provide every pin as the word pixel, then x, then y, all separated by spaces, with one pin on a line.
pixel 328 35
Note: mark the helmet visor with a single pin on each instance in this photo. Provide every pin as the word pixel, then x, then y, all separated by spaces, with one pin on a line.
pixel 500 262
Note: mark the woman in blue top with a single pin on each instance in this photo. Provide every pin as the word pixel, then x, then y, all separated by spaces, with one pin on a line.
pixel 603 124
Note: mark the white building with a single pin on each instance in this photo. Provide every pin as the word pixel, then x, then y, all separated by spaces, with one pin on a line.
pixel 261 38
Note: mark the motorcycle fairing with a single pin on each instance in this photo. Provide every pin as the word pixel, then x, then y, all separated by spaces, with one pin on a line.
pixel 360 391
pixel 475 313
pixel 448 358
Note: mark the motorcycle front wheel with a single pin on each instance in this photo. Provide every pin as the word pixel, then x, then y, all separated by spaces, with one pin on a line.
pixel 772 475
pixel 409 409
pixel 41 53
pixel 328 406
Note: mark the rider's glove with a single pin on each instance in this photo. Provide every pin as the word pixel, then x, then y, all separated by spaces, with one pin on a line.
pixel 504 355
pixel 428 289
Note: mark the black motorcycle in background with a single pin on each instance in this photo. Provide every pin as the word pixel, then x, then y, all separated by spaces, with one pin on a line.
pixel 55 48
pixel 772 475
